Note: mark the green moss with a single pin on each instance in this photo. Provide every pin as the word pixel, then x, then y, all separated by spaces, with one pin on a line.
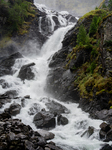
pixel 24 28
pixel 97 12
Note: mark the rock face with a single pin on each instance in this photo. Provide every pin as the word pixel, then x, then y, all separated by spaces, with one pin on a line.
pixel 7 63
pixel 61 80
pixel 64 71
pixel 18 136
pixel 26 72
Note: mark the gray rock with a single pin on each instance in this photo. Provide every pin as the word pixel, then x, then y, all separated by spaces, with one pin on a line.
pixel 47 135
pixel 26 72
pixel 7 63
pixel 44 120
pixel 14 109
pixel 62 120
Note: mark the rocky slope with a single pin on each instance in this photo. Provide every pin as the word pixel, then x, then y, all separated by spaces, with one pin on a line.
pixel 81 72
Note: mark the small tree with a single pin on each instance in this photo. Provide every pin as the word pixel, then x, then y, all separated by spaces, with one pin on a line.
pixel 94 25
pixel 82 37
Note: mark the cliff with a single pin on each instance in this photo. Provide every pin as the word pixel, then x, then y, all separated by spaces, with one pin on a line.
pixel 82 70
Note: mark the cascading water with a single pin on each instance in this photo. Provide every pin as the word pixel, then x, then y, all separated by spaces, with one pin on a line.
pixel 72 136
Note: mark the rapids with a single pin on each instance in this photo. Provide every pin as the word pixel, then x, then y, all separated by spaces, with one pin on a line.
pixel 69 137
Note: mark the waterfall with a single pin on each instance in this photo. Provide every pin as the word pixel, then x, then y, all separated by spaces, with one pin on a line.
pixel 71 136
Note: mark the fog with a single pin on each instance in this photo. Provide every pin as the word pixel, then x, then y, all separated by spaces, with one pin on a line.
pixel 75 7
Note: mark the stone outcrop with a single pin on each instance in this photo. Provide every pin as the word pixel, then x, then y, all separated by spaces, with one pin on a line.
pixel 7 63
pixel 15 135
pixel 26 72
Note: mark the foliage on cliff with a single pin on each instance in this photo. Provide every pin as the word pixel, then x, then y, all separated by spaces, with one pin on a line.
pixel 89 55
pixel 13 14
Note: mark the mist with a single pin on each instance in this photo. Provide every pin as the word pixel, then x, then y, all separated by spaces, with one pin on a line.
pixel 75 7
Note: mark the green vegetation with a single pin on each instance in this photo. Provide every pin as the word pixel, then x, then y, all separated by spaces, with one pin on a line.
pixel 82 37
pixel 16 13
pixel 94 25
pixel 91 78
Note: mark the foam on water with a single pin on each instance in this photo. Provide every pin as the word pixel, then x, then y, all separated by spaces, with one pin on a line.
pixel 70 136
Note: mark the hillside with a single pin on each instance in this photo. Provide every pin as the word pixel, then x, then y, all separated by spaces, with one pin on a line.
pixel 85 64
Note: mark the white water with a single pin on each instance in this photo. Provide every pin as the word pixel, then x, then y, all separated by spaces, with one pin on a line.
pixel 69 136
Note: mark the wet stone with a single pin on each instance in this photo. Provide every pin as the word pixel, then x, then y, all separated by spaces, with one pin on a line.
pixel 14 109
pixel 62 120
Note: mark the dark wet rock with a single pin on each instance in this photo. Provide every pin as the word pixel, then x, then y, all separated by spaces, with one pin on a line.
pixel 105 127
pixel 10 137
pixel 11 94
pixel 106 147
pixel 7 96
pixel 5 115
pixel 17 136
pixel 60 83
pixel 34 109
pixel 58 58
pixel 56 108
pixel 62 120
pixel 44 120
pixel 82 57
pixel 14 109
pixel 23 102
pixel 47 135
pixel 4 84
pixel 89 132
pixel 27 96
pixel 106 132
pixel 102 135
pixel 7 63
pixel 26 72
pixel 105 115
pixel 53 147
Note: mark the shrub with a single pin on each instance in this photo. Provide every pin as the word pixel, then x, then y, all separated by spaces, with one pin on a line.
pixel 82 37
pixel 17 15
pixel 94 25
pixel 17 12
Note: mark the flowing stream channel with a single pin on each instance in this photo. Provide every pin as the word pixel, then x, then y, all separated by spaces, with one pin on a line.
pixel 69 137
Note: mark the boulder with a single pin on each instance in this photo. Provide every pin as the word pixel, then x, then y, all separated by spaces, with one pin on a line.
pixel 62 120
pixel 106 147
pixel 44 120
pixel 26 72
pixel 105 127
pixel 47 135
pixel 16 136
pixel 14 109
pixel 56 108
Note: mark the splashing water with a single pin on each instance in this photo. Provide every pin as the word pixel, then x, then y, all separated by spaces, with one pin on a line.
pixel 69 137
